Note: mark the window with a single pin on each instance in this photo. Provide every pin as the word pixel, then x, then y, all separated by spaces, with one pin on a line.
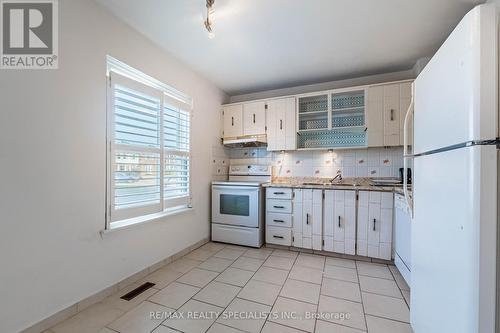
pixel 149 148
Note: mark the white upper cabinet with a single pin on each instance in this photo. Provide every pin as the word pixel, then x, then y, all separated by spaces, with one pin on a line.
pixel 233 120
pixel 332 119
pixel 313 112
pixel 404 101
pixel 254 118
pixel 244 119
pixel 375 116
pixel 386 109
pixel 281 124
pixel 354 117
pixel 391 115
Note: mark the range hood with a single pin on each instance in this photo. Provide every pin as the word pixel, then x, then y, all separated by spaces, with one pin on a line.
pixel 245 141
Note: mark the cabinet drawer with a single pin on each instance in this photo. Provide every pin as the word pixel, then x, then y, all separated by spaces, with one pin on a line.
pixel 279 206
pixel 279 236
pixel 278 193
pixel 279 219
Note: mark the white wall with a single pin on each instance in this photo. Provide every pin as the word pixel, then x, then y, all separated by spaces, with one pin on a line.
pixel 52 169
pixel 364 80
pixel 372 79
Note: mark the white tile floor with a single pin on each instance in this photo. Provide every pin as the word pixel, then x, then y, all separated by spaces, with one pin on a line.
pixel 216 287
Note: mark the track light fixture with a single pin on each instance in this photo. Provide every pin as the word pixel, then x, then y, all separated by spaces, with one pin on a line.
pixel 208 22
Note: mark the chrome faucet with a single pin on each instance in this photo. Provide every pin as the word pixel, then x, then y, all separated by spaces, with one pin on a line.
pixel 338 176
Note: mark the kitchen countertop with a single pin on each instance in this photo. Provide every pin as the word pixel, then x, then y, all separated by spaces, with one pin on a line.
pixel 360 184
pixel 399 190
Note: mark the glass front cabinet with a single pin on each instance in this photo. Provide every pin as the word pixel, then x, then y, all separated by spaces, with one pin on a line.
pixel 333 119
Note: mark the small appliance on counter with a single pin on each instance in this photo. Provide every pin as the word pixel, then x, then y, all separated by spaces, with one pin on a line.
pixel 401 175
pixel 238 206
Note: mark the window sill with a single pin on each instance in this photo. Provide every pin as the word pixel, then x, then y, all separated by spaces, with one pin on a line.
pixel 138 221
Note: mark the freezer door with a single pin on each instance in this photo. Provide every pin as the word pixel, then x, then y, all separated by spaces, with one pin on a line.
pixel 456 93
pixel 453 244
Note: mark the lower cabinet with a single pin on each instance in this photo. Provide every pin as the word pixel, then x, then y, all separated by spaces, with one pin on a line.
pixel 375 211
pixel 308 219
pixel 279 216
pixel 340 221
pixel 278 235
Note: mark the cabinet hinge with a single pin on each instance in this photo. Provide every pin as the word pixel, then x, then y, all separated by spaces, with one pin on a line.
pixel 265 107
pixel 293 239
pixel 357 196
pixel 265 128
pixel 323 195
pixel 323 242
pixel 293 194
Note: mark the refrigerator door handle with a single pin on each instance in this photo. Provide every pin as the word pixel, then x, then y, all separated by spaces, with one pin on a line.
pixel 406 156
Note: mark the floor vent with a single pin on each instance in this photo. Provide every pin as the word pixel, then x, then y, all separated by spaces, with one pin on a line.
pixel 137 291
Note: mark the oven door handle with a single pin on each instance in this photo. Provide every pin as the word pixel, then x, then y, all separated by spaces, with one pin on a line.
pixel 237 188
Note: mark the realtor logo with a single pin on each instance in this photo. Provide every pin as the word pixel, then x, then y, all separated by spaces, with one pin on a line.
pixel 29 35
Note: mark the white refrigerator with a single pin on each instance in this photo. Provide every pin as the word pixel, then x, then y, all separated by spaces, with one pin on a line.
pixel 455 161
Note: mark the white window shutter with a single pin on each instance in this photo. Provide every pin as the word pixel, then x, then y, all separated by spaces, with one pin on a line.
pixel 135 149
pixel 176 136
pixel 149 157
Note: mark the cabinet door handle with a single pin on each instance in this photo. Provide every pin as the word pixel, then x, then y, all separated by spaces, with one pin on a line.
pixel 339 221
pixel 279 221
pixel 232 121
pixel 281 124
pixel 307 218
pixel 254 118
pixel 279 193
pixel 374 221
pixel 280 207
pixel 279 237
pixel 392 114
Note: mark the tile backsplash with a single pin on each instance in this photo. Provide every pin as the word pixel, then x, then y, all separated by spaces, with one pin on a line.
pixel 219 162
pixel 370 162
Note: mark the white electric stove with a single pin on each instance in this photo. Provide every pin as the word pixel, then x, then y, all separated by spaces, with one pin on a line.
pixel 237 206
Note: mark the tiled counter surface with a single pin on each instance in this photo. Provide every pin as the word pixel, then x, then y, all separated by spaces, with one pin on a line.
pixel 361 184
pixel 399 190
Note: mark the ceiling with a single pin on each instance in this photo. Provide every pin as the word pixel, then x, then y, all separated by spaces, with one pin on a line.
pixel 268 44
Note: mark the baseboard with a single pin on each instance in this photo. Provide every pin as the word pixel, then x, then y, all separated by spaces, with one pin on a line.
pixel 101 295
pixel 331 254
